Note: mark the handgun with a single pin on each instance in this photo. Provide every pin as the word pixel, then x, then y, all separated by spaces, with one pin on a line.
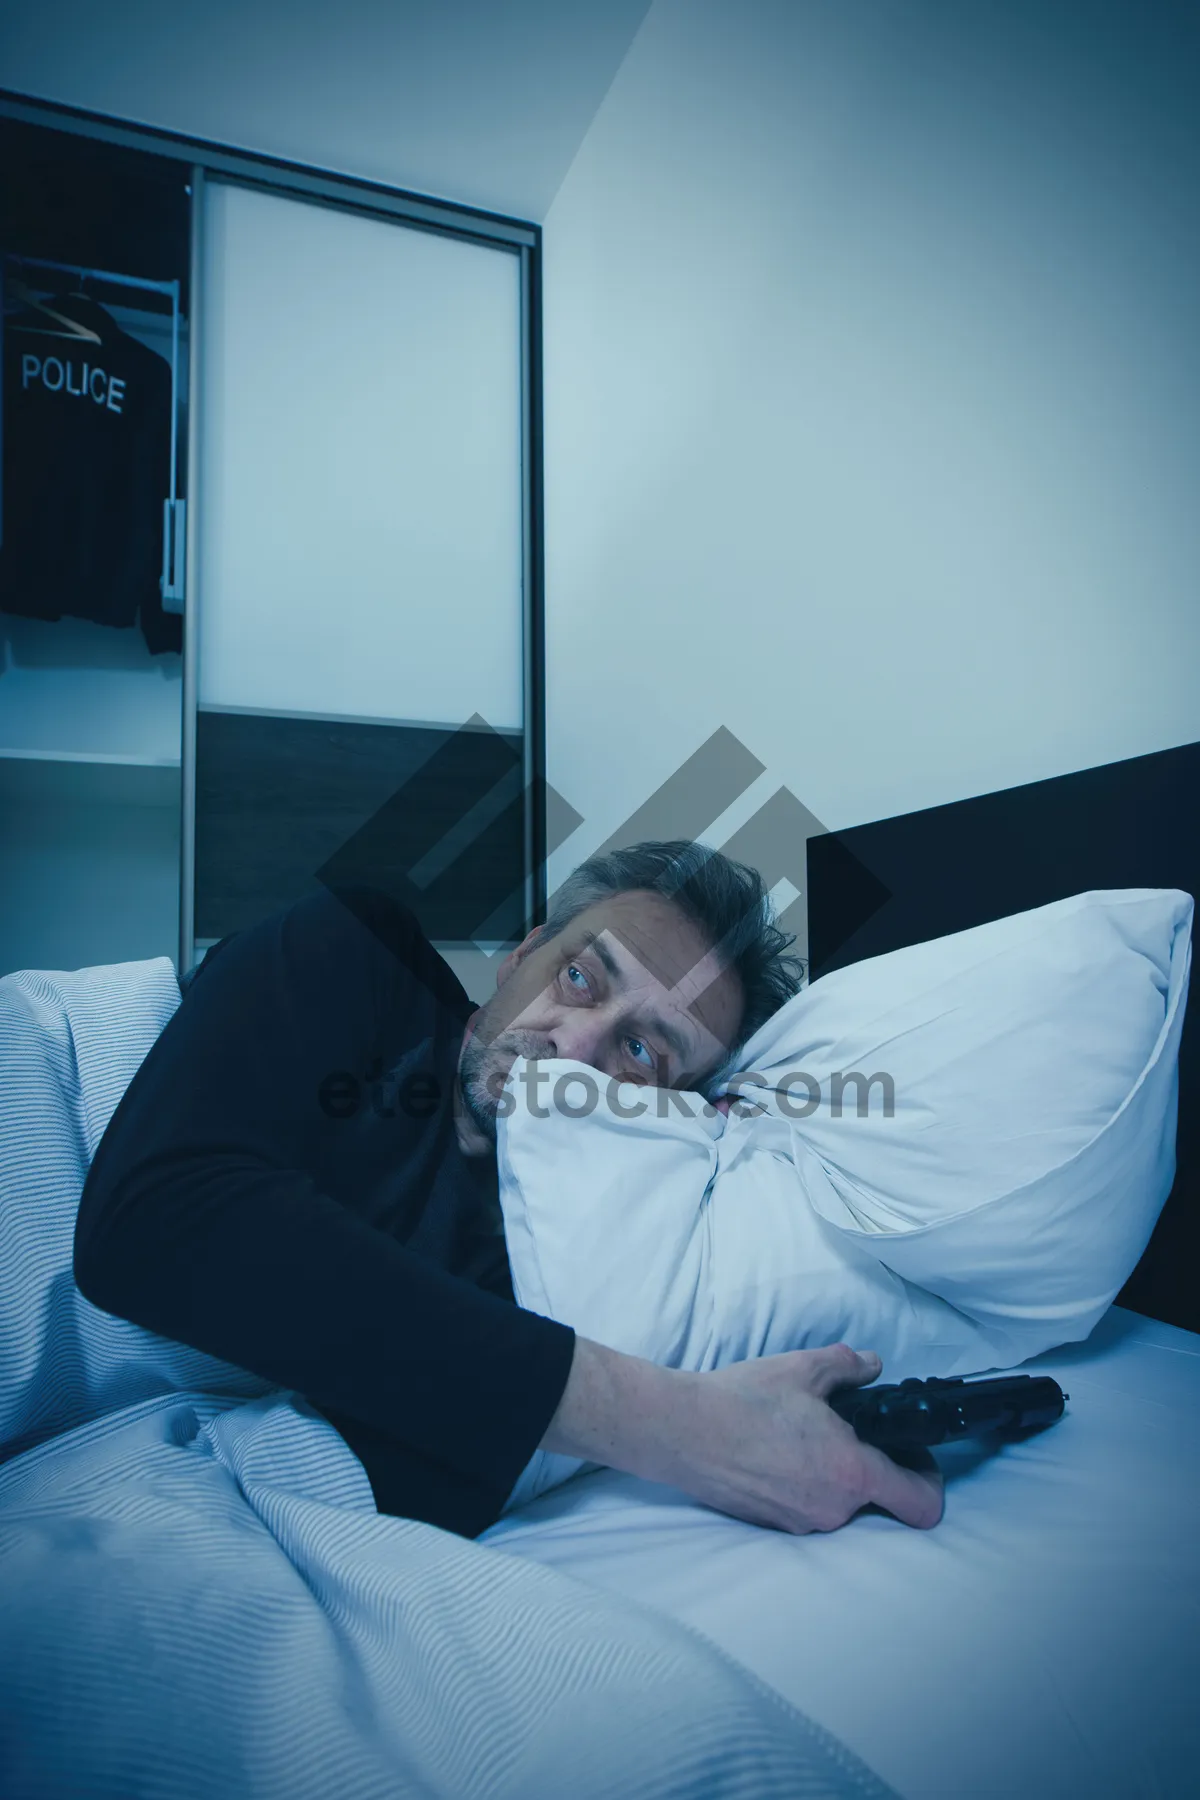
pixel 914 1415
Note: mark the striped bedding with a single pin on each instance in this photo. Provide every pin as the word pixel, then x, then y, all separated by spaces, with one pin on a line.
pixel 70 1043
pixel 197 1596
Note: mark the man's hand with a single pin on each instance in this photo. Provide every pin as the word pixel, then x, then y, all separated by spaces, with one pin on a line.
pixel 756 1439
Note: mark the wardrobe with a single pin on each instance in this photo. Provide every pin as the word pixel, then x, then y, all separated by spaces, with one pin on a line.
pixel 270 550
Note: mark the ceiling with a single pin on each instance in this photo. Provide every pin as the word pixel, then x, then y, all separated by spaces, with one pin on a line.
pixel 484 102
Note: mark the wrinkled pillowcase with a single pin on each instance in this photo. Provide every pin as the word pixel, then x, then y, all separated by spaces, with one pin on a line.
pixel 984 1201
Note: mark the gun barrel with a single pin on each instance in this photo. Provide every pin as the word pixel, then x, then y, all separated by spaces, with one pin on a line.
pixel 925 1413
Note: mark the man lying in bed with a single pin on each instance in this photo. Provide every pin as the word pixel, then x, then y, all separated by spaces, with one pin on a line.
pixel 301 1179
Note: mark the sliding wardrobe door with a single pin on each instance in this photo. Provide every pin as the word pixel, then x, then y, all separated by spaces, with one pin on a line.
pixel 358 546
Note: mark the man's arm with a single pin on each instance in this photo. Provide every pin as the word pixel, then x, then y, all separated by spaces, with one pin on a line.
pixel 756 1439
pixel 201 1221
pixel 198 1221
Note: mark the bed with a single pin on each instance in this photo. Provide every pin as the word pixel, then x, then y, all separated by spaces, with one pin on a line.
pixel 198 1599
pixel 1042 1642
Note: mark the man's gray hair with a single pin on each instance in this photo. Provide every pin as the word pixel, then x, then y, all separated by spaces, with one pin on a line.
pixel 728 901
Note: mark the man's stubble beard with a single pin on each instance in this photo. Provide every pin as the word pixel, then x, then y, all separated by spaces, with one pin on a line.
pixel 484 1064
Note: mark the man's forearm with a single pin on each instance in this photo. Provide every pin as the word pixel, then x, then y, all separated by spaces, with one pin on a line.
pixel 623 1412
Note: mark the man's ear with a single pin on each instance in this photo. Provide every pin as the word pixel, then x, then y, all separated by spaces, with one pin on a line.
pixel 514 957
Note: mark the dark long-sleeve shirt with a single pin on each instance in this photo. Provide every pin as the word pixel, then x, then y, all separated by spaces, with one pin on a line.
pixel 281 1186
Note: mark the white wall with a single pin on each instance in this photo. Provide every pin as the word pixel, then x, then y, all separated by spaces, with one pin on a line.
pixel 871 426
pixel 870 352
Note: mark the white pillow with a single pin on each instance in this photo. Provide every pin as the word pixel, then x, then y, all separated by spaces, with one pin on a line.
pixel 992 1212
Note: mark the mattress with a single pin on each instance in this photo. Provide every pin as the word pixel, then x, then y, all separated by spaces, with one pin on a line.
pixel 1043 1641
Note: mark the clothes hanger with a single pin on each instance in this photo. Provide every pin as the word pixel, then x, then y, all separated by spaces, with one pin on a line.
pixel 79 304
pixel 39 311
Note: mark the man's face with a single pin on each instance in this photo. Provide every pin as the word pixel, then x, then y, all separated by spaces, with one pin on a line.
pixel 630 987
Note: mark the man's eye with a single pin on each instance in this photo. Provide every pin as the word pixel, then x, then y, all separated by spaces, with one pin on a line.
pixel 640 1052
pixel 577 978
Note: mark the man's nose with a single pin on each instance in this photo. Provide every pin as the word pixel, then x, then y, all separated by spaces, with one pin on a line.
pixel 578 1039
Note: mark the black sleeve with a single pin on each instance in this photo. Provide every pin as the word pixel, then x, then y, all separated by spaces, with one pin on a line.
pixel 200 1221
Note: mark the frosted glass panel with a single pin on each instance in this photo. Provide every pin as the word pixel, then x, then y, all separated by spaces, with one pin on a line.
pixel 360 522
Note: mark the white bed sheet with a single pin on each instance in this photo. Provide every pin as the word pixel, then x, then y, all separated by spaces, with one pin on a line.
pixel 1042 1642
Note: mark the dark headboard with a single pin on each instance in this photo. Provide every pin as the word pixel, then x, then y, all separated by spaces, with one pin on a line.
pixel 1128 824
